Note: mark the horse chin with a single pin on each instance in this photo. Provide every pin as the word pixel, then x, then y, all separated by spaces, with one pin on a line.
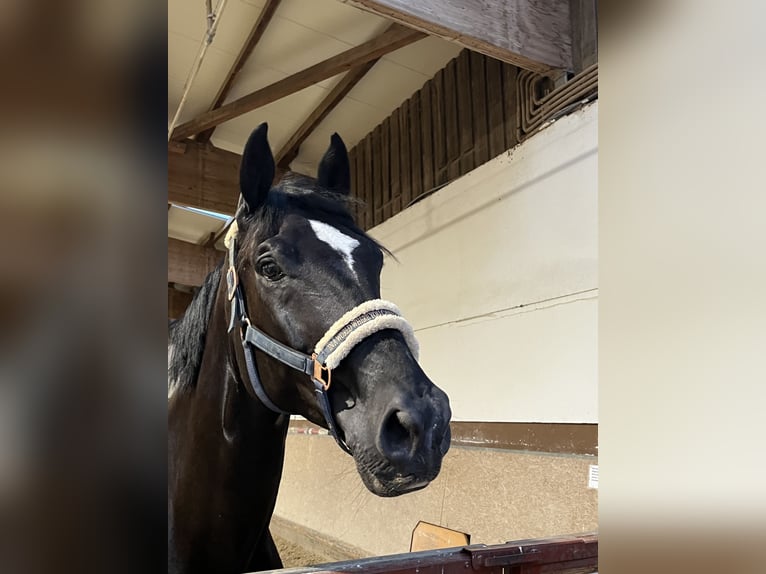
pixel 384 480
pixel 396 486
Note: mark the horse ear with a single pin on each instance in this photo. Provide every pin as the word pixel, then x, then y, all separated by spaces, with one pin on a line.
pixel 256 172
pixel 334 172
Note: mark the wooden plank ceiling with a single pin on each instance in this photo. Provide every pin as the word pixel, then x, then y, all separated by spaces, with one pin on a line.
pixel 311 68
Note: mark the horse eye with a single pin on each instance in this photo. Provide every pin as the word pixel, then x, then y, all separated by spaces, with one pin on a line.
pixel 269 269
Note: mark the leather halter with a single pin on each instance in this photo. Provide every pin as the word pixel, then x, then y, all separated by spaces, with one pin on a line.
pixel 343 335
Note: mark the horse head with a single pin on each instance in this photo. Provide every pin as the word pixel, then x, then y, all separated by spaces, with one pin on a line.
pixel 305 273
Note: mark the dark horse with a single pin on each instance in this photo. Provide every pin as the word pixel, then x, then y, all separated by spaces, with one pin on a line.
pixel 247 352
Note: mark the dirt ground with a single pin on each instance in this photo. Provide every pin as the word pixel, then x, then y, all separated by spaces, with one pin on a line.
pixel 293 555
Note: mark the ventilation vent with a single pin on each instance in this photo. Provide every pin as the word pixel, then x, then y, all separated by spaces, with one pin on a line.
pixel 593 476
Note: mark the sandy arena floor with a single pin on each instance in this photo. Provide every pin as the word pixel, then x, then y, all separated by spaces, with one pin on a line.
pixel 293 555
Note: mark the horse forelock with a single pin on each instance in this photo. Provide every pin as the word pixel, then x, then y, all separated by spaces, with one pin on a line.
pixel 299 195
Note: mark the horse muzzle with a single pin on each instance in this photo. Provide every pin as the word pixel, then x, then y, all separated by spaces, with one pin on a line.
pixel 408 440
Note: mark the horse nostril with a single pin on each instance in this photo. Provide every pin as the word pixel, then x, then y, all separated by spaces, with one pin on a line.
pixel 399 435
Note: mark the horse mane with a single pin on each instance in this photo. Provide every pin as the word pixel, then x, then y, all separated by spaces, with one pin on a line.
pixel 186 336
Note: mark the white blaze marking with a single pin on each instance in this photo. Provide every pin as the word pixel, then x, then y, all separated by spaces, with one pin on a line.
pixel 339 241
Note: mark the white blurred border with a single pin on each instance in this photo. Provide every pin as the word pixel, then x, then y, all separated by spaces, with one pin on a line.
pixel 682 211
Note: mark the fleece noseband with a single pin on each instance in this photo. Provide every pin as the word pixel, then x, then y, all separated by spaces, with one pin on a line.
pixel 346 333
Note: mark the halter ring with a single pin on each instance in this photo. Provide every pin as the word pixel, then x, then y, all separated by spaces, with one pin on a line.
pixel 231 282
pixel 318 370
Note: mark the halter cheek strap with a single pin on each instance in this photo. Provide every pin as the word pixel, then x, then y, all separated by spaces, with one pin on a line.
pixel 351 329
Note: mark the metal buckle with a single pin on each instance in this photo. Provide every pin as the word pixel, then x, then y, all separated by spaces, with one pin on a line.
pixel 318 370
pixel 231 282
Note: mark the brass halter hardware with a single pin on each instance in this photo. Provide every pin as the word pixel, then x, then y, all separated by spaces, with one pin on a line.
pixel 231 282
pixel 318 370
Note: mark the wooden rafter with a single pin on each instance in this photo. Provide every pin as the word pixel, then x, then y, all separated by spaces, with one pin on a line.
pixel 531 34
pixel 290 150
pixel 264 18
pixel 584 18
pixel 393 38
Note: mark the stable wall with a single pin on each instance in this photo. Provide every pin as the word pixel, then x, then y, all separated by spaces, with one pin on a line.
pixel 497 272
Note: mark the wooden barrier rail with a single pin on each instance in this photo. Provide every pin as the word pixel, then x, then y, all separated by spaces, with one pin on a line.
pixel 576 554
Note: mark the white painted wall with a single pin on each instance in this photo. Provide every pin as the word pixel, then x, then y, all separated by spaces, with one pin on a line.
pixel 498 273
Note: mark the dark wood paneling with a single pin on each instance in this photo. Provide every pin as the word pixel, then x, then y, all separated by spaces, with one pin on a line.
pixel 385 160
pixel 495 107
pixel 464 110
pixel 416 153
pixel 369 159
pixel 354 187
pixel 426 138
pixel 451 127
pixel 396 174
pixel 363 189
pixel 509 103
pixel 375 166
pixel 404 159
pixel 461 118
pixel 479 102
pixel 438 121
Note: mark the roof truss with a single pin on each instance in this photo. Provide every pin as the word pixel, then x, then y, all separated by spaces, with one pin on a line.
pixel 393 38
pixel 264 18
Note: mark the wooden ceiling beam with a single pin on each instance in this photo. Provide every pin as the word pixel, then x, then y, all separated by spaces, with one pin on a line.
pixel 189 263
pixel 393 38
pixel 584 18
pixel 205 177
pixel 290 150
pixel 264 18
pixel 531 34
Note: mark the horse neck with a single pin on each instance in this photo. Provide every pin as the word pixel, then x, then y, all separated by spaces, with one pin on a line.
pixel 226 456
